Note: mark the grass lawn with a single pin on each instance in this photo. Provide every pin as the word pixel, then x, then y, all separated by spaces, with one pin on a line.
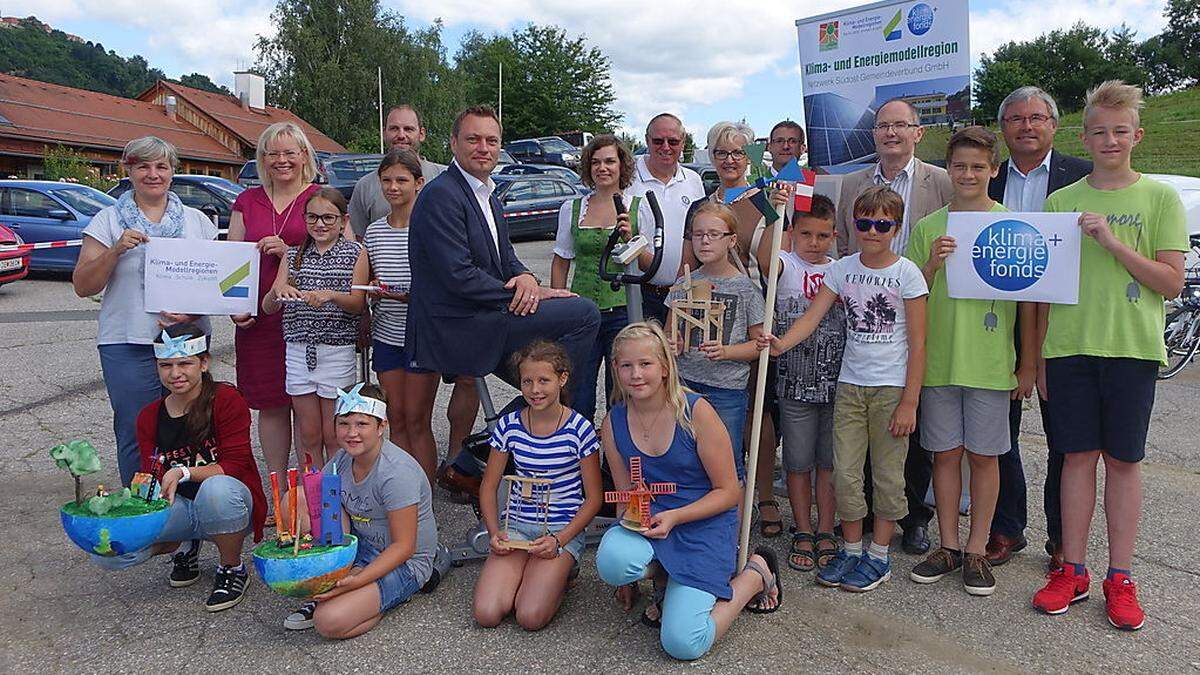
pixel 1171 145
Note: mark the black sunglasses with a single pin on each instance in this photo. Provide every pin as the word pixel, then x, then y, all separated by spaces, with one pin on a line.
pixel 881 226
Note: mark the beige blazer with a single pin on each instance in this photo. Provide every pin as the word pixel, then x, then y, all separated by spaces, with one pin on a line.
pixel 931 191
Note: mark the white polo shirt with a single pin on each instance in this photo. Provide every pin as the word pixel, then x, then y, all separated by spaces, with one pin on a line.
pixel 483 192
pixel 674 198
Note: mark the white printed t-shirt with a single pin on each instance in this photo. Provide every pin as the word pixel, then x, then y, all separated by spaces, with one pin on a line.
pixel 876 352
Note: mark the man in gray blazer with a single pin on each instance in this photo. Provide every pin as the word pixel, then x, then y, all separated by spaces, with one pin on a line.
pixel 925 189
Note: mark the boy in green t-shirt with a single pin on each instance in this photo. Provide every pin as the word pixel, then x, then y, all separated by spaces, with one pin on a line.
pixel 1102 354
pixel 969 373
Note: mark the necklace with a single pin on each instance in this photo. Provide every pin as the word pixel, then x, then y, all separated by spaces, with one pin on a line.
pixel 276 225
pixel 647 428
pixel 562 411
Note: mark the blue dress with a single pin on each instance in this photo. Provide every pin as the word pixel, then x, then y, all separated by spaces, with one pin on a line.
pixel 703 553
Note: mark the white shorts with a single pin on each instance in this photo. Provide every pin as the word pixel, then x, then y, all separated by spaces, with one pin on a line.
pixel 335 368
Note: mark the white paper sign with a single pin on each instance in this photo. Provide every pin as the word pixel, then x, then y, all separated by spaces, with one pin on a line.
pixel 1031 257
pixel 195 276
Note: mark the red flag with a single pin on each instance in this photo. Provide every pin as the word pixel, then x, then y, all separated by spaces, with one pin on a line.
pixel 802 198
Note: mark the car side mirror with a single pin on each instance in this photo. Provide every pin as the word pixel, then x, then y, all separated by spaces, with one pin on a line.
pixel 60 214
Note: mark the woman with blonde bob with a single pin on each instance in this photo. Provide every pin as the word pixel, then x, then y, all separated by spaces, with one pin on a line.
pixel 272 216
pixel 689 549
pixel 112 261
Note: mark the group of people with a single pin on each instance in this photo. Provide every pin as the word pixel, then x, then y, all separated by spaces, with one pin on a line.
pixel 880 384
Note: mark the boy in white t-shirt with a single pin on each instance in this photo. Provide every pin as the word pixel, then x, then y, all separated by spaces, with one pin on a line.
pixel 806 380
pixel 879 385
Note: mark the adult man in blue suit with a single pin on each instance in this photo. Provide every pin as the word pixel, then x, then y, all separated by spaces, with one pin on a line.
pixel 472 301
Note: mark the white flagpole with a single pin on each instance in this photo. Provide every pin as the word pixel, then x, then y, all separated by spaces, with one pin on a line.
pixel 760 389
pixel 379 74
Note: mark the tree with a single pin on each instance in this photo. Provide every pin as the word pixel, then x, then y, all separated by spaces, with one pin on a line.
pixel 552 83
pixel 321 64
pixel 631 141
pixel 1175 51
pixel 204 83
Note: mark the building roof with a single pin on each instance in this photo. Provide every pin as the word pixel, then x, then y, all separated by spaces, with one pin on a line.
pixel 247 125
pixel 52 113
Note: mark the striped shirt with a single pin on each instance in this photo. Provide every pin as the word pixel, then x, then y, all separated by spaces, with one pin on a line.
pixel 387 249
pixel 556 457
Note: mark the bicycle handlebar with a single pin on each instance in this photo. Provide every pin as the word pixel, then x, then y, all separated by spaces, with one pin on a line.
pixel 619 278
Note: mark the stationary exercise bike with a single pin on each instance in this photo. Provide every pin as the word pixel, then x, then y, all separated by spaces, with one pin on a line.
pixel 468 465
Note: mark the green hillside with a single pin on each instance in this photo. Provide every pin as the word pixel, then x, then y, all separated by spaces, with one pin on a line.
pixel 1171 145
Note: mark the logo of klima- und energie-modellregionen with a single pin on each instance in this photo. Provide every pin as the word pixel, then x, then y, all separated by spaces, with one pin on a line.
pixel 920 19
pixel 233 286
pixel 1011 255
pixel 892 30
pixel 827 36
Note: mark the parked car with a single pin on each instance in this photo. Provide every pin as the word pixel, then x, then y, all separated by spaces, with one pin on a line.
pixel 13 264
pixel 210 194
pixel 343 171
pixel 504 160
pixel 41 211
pixel 248 176
pixel 531 203
pixel 708 176
pixel 542 170
pixel 576 138
pixel 548 150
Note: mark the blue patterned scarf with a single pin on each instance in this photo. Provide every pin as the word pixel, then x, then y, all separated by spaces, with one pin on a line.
pixel 132 218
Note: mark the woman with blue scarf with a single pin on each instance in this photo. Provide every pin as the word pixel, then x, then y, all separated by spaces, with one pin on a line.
pixel 112 261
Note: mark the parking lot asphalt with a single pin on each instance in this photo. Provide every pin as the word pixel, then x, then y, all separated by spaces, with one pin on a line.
pixel 60 613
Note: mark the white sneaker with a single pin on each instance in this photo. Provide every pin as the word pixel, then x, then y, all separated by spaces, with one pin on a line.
pixel 301 619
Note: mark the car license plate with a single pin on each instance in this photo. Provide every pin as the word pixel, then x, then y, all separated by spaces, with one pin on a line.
pixel 10 264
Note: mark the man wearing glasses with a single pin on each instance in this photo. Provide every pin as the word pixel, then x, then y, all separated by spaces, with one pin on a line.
pixel 924 187
pixel 1028 118
pixel 676 187
pixel 786 142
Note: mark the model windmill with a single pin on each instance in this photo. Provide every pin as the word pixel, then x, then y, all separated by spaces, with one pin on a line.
pixel 535 491
pixel 697 310
pixel 637 497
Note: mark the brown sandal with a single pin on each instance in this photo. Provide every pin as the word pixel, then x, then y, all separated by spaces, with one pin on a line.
pixel 769 528
pixel 826 555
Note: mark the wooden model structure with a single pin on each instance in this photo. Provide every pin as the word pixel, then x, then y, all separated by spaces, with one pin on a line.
pixel 533 490
pixel 637 497
pixel 697 311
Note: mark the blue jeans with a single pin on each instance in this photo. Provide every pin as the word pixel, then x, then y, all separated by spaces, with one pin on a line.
pixel 396 586
pixel 688 630
pixel 131 378
pixel 730 405
pixel 583 394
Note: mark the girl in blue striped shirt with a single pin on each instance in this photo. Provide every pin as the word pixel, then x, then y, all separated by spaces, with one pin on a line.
pixel 545 440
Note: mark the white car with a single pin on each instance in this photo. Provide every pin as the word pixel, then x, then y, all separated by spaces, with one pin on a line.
pixel 1188 188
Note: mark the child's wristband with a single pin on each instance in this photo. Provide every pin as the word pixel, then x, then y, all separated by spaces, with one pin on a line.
pixel 187 474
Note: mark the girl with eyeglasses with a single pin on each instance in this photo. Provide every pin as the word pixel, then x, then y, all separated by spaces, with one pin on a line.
pixel 320 317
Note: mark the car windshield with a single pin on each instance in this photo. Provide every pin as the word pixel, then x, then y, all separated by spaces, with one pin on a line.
pixel 224 188
pixel 85 200
pixel 557 145
pixel 353 169
pixel 506 158
pixel 250 170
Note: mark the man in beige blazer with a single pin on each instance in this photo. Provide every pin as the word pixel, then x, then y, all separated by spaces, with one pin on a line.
pixel 925 188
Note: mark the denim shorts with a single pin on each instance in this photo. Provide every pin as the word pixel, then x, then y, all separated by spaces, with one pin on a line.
pixel 396 586
pixel 730 405
pixel 531 532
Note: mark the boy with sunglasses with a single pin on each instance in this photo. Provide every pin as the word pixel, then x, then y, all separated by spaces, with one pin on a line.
pixel 1102 355
pixel 878 387
pixel 969 374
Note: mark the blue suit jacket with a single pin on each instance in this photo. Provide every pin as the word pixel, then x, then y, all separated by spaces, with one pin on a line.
pixel 458 308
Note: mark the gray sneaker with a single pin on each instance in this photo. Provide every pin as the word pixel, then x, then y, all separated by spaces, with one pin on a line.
pixel 977 575
pixel 939 563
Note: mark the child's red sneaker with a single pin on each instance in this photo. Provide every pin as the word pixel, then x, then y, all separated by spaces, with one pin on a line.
pixel 1063 589
pixel 1120 599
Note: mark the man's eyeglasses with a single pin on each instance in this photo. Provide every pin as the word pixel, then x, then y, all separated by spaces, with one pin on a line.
pixel 329 219
pixel 786 141
pixel 722 155
pixel 881 226
pixel 673 142
pixel 895 126
pixel 286 154
pixel 1036 120
pixel 709 236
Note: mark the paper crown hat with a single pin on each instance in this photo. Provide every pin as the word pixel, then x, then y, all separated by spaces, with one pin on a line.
pixel 354 402
pixel 179 347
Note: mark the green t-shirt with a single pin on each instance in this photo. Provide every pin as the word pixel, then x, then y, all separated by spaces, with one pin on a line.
pixel 1116 317
pixel 963 345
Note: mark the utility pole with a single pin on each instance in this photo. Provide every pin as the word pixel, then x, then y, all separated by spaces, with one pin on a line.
pixel 500 107
pixel 379 76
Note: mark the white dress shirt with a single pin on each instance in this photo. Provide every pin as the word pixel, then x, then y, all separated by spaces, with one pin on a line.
pixel 674 198
pixel 1027 191
pixel 901 184
pixel 483 193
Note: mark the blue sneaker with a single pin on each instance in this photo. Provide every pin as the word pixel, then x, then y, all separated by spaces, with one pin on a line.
pixel 867 575
pixel 841 565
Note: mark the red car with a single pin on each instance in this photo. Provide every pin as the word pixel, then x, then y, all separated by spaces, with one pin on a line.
pixel 13 264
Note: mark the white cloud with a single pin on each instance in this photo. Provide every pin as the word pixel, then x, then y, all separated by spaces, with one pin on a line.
pixel 1021 20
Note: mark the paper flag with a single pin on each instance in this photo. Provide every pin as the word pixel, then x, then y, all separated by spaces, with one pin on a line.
pixel 760 201
pixel 732 194
pixel 791 172
pixel 802 197
pixel 754 154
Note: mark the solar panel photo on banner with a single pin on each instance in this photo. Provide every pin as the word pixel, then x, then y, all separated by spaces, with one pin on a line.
pixel 839 130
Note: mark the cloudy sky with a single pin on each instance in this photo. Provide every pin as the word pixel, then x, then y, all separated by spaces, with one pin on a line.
pixel 707 60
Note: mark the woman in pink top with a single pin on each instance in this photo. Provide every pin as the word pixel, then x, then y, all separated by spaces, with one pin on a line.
pixel 273 216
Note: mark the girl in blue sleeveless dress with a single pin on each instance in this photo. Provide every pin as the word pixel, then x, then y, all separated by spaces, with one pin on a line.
pixel 690 549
